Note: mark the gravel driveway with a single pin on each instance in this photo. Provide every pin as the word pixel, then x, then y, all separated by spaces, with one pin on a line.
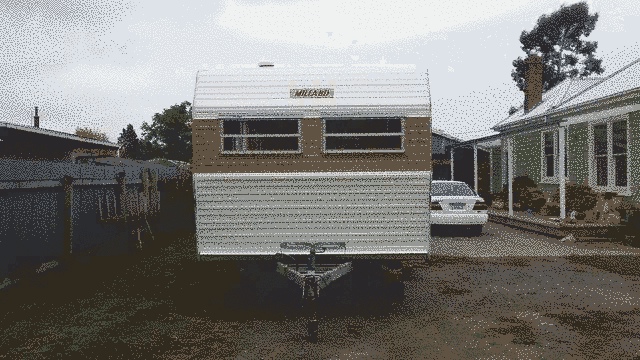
pixel 505 295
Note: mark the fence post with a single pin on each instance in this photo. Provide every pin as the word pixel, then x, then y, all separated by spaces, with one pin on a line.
pixel 67 184
pixel 154 191
pixel 122 195
pixel 144 177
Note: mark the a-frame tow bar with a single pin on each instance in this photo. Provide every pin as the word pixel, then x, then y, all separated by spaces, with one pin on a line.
pixel 312 278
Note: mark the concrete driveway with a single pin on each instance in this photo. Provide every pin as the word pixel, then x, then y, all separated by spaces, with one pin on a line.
pixel 500 240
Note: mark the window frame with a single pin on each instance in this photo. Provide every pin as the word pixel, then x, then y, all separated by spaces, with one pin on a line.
pixel 544 179
pixel 244 138
pixel 610 156
pixel 363 151
pixel 543 163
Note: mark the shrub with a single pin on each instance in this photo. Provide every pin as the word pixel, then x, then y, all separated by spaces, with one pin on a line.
pixel 525 195
pixel 550 209
pixel 579 198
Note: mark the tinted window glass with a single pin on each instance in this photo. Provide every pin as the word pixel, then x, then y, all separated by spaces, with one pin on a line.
pixel 620 137
pixel 451 189
pixel 600 139
pixel 363 126
pixel 364 143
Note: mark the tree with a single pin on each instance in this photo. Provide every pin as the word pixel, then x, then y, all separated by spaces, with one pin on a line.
pixel 89 133
pixel 130 143
pixel 558 39
pixel 169 134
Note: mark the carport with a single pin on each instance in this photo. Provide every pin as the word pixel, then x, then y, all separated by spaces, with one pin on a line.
pixel 501 157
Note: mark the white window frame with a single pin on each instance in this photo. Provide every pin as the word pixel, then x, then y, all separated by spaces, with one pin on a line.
pixel 337 151
pixel 611 171
pixel 244 138
pixel 544 179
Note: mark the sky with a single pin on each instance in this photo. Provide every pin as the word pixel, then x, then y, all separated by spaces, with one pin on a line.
pixel 106 64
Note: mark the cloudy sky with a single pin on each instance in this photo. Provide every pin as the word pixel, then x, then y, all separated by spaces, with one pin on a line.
pixel 105 64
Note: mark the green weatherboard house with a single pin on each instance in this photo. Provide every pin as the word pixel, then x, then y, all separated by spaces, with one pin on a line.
pixel 589 127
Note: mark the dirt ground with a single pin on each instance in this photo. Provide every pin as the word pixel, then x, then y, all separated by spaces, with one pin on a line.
pixel 504 295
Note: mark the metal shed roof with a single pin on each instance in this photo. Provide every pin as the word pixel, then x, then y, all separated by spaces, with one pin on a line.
pixel 358 91
pixel 58 134
pixel 442 133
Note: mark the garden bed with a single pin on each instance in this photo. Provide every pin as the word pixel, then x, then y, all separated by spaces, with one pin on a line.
pixel 553 226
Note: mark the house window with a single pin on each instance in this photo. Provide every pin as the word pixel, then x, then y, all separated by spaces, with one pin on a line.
pixel 551 157
pixel 619 152
pixel 550 153
pixel 608 152
pixel 364 135
pixel 260 136
pixel 600 152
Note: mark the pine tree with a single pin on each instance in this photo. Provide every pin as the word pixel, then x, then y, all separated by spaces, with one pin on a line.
pixel 130 143
pixel 558 39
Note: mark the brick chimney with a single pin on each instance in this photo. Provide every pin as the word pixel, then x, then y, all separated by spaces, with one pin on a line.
pixel 533 82
pixel 36 119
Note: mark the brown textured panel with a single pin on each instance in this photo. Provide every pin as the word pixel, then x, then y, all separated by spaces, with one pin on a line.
pixel 208 159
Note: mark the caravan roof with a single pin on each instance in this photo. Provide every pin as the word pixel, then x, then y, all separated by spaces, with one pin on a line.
pixel 312 91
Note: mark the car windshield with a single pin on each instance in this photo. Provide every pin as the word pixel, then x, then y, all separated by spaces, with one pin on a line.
pixel 451 189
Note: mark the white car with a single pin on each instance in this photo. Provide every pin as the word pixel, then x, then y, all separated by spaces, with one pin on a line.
pixel 454 203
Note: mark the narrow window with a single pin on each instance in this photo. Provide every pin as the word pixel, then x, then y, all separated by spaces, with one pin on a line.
pixel 619 142
pixel 364 135
pixel 549 154
pixel 600 146
pixel 260 136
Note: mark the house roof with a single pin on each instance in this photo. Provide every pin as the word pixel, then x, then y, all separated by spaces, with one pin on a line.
pixel 574 92
pixel 358 91
pixel 59 134
pixel 620 82
pixel 551 100
pixel 439 132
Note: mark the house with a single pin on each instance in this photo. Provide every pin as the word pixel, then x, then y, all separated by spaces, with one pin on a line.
pixel 441 146
pixel 22 142
pixel 582 131
pixel 318 153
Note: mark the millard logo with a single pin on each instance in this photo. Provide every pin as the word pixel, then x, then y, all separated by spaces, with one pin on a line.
pixel 312 93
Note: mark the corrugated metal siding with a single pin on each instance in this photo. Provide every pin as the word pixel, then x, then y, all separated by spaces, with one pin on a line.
pixel 358 91
pixel 374 212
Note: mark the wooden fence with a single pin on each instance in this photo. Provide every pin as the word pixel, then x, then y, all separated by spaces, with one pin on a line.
pixel 51 210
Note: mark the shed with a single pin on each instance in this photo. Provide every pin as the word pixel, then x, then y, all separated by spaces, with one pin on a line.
pixel 35 143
